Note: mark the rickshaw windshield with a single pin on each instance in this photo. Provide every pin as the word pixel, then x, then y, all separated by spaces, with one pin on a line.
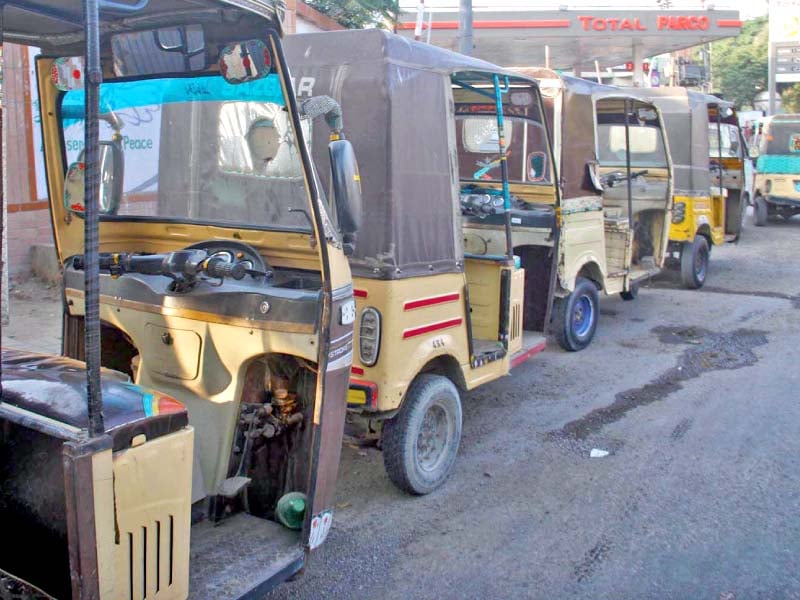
pixel 646 143
pixel 729 134
pixel 783 137
pixel 479 149
pixel 198 149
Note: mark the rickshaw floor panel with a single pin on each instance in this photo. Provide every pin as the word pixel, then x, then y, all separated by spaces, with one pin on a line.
pixel 241 557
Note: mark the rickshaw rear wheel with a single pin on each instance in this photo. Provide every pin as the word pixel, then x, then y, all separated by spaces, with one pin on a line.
pixel 575 317
pixel 694 262
pixel 420 442
pixel 761 212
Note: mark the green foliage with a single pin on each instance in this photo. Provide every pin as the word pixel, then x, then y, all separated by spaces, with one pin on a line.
pixel 790 98
pixel 740 65
pixel 357 14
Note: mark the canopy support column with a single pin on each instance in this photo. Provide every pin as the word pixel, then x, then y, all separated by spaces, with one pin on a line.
pixel 638 60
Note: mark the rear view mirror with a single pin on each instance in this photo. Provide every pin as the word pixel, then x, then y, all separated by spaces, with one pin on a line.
pixel 593 168
pixel 111 178
pixel 245 61
pixel 186 40
pixel 346 191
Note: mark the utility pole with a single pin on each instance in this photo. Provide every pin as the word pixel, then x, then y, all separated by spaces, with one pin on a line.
pixel 465 44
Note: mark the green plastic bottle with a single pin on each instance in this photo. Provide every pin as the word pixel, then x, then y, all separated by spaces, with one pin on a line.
pixel 291 509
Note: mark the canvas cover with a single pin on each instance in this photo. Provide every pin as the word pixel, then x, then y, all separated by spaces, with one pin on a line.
pixel 56 26
pixel 571 102
pixel 685 115
pixel 398 113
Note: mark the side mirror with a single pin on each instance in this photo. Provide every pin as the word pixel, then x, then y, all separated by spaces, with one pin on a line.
pixel 346 191
pixel 111 179
pixel 593 168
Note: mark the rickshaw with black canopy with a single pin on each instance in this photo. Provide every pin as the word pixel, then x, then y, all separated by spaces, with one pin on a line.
pixel 607 230
pixel 706 143
pixel 432 319
pixel 221 283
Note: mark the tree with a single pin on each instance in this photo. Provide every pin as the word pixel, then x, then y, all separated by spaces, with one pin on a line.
pixel 357 14
pixel 740 64
pixel 790 98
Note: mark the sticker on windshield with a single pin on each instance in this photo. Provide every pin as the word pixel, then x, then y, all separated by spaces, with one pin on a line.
pixel 794 143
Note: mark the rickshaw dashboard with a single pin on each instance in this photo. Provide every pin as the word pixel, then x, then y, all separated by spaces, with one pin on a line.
pixel 223 278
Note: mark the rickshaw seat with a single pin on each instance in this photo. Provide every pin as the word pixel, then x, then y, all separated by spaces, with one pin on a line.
pixel 55 387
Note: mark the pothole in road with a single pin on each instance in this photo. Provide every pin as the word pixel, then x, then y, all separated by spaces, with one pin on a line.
pixel 707 351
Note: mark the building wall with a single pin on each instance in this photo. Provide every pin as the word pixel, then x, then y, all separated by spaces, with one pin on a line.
pixel 28 218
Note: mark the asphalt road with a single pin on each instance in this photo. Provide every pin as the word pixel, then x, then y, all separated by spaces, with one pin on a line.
pixel 695 395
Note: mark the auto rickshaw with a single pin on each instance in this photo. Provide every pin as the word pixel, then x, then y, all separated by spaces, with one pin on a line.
pixel 433 317
pixel 777 181
pixel 611 217
pixel 703 134
pixel 221 283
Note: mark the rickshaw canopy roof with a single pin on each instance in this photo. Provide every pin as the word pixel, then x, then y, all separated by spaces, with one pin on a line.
pixel 686 118
pixel 571 103
pixel 397 102
pixel 57 26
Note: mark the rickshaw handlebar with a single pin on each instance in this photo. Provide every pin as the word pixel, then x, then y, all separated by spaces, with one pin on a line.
pixel 178 264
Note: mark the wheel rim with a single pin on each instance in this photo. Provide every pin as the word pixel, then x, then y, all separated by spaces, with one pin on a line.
pixel 432 440
pixel 701 264
pixel 582 316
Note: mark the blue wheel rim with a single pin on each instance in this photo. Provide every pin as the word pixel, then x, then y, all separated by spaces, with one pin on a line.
pixel 582 316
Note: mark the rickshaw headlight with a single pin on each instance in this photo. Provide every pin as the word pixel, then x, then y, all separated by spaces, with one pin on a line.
pixel 678 212
pixel 369 336
pixel 768 186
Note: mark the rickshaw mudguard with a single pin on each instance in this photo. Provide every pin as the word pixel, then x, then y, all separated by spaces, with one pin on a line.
pixel 581 244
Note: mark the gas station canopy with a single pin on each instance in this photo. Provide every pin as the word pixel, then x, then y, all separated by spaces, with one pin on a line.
pixel 574 38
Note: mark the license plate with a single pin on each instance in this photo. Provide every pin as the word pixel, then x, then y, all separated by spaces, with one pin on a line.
pixel 348 315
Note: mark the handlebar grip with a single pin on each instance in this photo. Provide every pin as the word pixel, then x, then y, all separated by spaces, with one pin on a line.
pixel 220 268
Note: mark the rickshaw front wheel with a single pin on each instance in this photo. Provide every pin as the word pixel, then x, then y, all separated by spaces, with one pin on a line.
pixel 575 317
pixel 761 212
pixel 694 262
pixel 420 442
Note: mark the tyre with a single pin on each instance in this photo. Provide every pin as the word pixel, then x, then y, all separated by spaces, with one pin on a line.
pixel 421 441
pixel 694 262
pixel 575 317
pixel 761 212
pixel 742 217
pixel 630 294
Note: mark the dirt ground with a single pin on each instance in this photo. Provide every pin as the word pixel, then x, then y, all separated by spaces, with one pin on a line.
pixel 692 393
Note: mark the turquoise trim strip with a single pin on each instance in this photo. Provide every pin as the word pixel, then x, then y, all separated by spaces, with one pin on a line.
pixel 778 164
pixel 119 95
pixel 147 404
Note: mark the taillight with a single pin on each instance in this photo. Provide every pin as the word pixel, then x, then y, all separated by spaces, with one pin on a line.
pixel 369 336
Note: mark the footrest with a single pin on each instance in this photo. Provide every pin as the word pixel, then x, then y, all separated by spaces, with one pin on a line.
pixel 233 486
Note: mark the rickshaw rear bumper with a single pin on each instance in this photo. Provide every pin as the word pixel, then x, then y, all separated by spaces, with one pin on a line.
pixel 783 201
